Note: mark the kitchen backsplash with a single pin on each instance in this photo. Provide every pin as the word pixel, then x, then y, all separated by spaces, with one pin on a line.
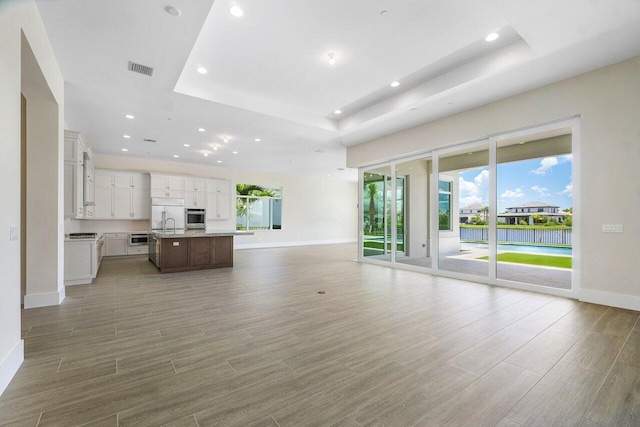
pixel 88 226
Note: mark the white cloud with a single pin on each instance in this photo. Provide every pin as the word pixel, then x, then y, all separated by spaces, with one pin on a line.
pixel 512 194
pixel 545 165
pixel 542 191
pixel 548 163
pixel 476 191
pixel 568 190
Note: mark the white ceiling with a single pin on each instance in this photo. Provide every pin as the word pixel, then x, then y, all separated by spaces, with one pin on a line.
pixel 269 75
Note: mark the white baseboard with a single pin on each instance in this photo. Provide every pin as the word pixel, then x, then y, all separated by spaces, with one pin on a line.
pixel 44 299
pixel 612 299
pixel 10 365
pixel 287 244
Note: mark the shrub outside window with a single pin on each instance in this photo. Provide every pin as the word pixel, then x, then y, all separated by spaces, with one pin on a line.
pixel 258 208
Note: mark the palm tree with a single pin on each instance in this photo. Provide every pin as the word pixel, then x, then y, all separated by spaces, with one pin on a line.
pixel 485 213
pixel 244 203
pixel 372 189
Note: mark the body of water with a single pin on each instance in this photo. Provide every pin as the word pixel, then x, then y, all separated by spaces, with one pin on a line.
pixel 549 250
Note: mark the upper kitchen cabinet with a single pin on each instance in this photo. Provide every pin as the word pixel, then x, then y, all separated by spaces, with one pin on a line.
pixel 195 184
pixel 74 174
pixel 89 185
pixel 167 186
pixel 218 200
pixel 121 195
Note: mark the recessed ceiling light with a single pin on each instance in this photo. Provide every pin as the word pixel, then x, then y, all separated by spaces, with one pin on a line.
pixel 257 140
pixel 492 36
pixel 129 116
pixel 337 112
pixel 201 70
pixel 219 161
pixel 187 145
pixel 175 155
pixel 173 11
pixel 206 154
pixel 201 129
pixel 332 58
pixel 328 174
pixel 124 149
pixel 235 152
pixel 236 11
pixel 126 136
pixel 395 84
pixel 215 148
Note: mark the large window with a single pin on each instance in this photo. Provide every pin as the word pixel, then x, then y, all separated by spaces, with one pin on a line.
pixel 258 208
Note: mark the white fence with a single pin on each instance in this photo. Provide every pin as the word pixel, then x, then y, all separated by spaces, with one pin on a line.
pixel 519 235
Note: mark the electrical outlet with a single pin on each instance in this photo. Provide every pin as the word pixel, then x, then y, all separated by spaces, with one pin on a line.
pixel 611 228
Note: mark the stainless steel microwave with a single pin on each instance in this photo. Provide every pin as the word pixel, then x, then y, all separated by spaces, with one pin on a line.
pixel 195 218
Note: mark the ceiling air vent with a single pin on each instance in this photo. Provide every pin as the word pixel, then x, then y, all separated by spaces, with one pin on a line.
pixel 149 140
pixel 141 69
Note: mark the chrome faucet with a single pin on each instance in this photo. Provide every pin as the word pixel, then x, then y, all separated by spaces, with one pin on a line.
pixel 164 225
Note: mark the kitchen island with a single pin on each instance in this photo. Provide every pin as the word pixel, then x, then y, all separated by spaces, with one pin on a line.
pixel 192 250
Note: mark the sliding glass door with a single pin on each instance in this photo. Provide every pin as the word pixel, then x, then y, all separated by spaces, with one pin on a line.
pixel 534 220
pixel 376 214
pixel 499 210
pixel 463 210
pixel 413 213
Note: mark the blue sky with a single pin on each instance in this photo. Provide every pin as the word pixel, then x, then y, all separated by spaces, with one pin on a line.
pixel 545 180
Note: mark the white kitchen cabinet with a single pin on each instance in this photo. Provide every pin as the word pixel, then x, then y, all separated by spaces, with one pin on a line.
pixel 122 203
pixel 195 199
pixel 162 192
pixel 74 149
pixel 121 195
pixel 138 250
pixel 116 244
pixel 218 200
pixel 89 188
pixel 167 182
pixel 140 203
pixel 73 193
pixel 104 203
pixel 104 178
pixel 168 186
pixel 81 260
pixel 195 184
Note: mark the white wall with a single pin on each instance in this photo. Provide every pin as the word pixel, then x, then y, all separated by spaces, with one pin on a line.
pixel 16 18
pixel 314 210
pixel 608 102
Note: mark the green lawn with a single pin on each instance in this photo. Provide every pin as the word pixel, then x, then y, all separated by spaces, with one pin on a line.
pixel 534 259
pixel 378 245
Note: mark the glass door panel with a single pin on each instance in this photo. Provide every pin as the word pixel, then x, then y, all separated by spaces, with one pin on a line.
pixel 412 212
pixel 534 179
pixel 376 214
pixel 463 211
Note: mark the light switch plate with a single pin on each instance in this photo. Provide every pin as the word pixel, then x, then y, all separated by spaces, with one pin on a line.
pixel 611 228
pixel 14 233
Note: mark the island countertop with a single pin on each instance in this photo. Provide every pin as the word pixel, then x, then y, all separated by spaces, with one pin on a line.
pixel 200 233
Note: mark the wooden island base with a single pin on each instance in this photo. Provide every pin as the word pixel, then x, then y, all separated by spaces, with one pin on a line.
pixel 194 253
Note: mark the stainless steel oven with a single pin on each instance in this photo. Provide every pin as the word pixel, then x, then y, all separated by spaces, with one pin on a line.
pixel 194 218
pixel 136 239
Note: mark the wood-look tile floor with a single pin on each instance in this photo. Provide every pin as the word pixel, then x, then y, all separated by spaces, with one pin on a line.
pixel 258 345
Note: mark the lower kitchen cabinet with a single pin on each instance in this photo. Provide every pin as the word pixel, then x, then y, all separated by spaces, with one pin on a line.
pixel 195 253
pixel 116 244
pixel 81 260
pixel 174 253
